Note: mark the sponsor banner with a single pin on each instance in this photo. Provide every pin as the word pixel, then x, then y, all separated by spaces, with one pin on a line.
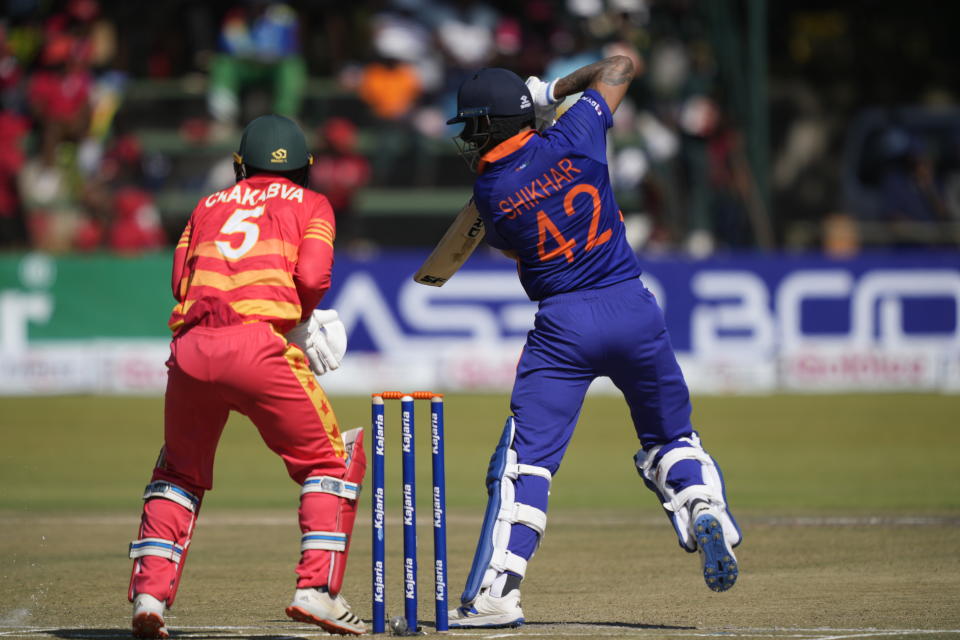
pixel 739 323
pixel 838 368
pixel 105 366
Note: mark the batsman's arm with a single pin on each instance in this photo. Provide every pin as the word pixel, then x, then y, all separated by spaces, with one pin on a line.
pixel 609 77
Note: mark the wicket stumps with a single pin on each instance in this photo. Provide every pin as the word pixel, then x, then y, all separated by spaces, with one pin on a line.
pixel 408 461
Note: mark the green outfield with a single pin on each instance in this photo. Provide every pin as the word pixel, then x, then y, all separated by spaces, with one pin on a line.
pixel 850 505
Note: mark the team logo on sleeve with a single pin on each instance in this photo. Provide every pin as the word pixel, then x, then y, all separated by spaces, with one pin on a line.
pixel 279 155
pixel 594 104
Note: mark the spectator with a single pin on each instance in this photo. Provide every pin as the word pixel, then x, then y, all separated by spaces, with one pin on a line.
pixel 841 238
pixel 338 172
pixel 59 92
pixel 400 34
pixel 121 215
pixel 58 97
pixel 390 88
pixel 51 210
pixel 260 47
pixel 11 72
pixel 136 226
pixel 13 130
pixel 465 31
pixel 951 177
pixel 911 194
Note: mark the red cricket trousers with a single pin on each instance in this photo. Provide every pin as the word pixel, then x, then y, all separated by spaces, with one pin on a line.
pixel 248 368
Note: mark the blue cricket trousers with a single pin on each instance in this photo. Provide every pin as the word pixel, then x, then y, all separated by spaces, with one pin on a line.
pixel 617 331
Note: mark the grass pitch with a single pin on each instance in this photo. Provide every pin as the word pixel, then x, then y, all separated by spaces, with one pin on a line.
pixel 850 507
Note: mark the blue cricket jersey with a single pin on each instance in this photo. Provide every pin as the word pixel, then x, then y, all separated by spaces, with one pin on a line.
pixel 548 197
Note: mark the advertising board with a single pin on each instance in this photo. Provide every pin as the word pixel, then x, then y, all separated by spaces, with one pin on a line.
pixel 740 323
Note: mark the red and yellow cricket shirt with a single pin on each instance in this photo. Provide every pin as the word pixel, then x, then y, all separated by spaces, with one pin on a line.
pixel 260 251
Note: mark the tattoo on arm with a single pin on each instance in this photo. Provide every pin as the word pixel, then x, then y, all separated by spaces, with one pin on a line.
pixel 612 71
pixel 616 75
pixel 577 81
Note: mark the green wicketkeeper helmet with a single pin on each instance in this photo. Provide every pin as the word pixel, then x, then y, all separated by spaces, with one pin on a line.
pixel 271 143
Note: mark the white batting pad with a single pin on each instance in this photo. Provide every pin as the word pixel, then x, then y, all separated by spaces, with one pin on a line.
pixel 677 502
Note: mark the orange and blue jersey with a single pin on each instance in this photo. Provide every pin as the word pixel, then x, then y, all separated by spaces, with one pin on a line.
pixel 547 196
pixel 260 251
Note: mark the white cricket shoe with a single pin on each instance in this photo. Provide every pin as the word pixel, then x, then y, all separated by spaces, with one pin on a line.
pixel 332 614
pixel 487 611
pixel 719 565
pixel 148 617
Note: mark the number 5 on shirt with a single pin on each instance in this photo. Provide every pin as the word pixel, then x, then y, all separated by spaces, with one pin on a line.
pixel 238 223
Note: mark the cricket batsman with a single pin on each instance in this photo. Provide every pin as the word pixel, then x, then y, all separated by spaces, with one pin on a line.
pixel 546 201
pixel 248 273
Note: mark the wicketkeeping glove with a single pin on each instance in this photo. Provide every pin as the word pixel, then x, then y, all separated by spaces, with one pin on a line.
pixel 323 339
pixel 544 102
pixel 329 341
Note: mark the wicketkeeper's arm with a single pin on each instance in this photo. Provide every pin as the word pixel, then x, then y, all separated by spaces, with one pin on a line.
pixel 180 263
pixel 315 260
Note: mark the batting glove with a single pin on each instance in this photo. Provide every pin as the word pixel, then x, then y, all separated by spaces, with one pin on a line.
pixel 541 92
pixel 544 102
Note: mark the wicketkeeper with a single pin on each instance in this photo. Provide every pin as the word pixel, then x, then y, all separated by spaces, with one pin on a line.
pixel 248 273
pixel 546 201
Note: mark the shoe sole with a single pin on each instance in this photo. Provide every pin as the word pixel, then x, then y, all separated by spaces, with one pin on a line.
pixel 149 625
pixel 720 569
pixel 332 626
pixel 489 625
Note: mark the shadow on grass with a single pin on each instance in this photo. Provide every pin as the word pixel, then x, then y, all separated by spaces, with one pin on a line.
pixel 190 634
pixel 239 634
pixel 605 623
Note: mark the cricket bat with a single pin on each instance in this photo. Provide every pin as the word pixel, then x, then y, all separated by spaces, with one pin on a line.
pixel 454 248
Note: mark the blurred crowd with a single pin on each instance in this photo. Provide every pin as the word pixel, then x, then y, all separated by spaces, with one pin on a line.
pixel 78 174
pixel 65 182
